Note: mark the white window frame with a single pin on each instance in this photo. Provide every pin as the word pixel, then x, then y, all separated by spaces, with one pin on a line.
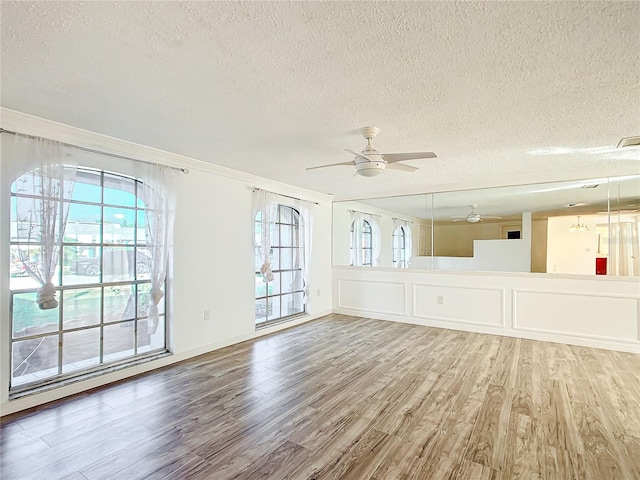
pixel 399 247
pixel 104 363
pixel 367 242
pixel 297 258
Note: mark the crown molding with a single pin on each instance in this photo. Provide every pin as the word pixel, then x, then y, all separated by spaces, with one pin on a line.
pixel 20 122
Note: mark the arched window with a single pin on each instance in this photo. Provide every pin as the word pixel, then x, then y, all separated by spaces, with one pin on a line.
pixel 283 297
pixel 361 243
pixel 399 247
pixel 101 278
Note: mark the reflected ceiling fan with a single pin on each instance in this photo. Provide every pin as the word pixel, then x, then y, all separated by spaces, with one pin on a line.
pixel 370 162
pixel 474 216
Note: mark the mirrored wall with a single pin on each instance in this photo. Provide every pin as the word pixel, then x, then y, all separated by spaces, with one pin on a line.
pixel 575 227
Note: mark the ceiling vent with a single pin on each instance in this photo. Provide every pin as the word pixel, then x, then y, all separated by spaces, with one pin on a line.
pixel 593 185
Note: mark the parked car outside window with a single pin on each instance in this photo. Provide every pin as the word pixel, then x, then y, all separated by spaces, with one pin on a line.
pixel 116 261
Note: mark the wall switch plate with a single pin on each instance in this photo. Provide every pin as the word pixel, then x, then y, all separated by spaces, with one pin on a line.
pixel 207 315
pixel 440 299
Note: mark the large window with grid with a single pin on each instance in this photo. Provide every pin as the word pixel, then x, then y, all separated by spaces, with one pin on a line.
pixel 400 247
pixel 363 242
pixel 101 282
pixel 283 297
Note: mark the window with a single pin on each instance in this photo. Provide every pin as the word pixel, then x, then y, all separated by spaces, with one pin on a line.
pixel 400 247
pixel 101 280
pixel 283 297
pixel 364 241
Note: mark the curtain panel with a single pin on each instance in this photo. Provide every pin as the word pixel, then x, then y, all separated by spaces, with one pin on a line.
pixel 305 236
pixel 41 211
pixel 624 250
pixel 263 218
pixel 159 194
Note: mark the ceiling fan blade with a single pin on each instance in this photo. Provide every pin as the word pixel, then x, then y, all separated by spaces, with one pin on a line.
pixel 332 165
pixel 490 216
pixel 358 154
pixel 459 219
pixel 402 166
pixel 398 157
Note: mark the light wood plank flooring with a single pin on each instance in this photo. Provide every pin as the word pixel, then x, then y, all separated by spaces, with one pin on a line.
pixel 352 398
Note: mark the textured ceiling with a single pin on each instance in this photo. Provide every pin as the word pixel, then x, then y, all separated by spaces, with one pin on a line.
pixel 272 88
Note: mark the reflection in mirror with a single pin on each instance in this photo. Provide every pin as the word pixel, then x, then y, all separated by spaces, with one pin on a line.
pixel 577 227
pixel 620 242
pixel 385 216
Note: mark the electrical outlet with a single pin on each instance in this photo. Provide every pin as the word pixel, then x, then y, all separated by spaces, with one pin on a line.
pixel 440 299
pixel 207 315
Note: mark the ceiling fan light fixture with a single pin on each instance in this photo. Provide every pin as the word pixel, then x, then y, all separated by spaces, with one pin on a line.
pixel 370 169
pixel 371 163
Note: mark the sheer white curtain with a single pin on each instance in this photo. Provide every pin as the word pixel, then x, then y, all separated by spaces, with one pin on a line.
pixel 266 204
pixel 408 244
pixel 305 236
pixel 42 217
pixel 375 239
pixel 624 250
pixel 159 194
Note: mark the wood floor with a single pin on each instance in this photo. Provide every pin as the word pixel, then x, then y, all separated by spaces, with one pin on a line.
pixel 344 397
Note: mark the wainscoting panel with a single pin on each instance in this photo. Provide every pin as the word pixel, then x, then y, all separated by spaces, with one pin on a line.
pixel 576 310
pixel 472 305
pixel 373 296
pixel 604 317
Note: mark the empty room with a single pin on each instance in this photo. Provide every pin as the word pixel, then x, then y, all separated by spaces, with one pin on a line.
pixel 319 240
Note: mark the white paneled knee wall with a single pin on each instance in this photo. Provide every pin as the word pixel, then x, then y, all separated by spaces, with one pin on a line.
pixel 602 312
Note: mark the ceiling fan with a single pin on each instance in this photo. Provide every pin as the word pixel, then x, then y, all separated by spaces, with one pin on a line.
pixel 474 216
pixel 370 162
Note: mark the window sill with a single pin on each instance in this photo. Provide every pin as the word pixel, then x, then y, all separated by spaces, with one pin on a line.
pixel 62 382
pixel 279 321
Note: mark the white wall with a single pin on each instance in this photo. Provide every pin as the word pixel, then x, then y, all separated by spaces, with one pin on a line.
pixel 340 236
pixel 490 255
pixel 579 310
pixel 212 258
pixel 572 252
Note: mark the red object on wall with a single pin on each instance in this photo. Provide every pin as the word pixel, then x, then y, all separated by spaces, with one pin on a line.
pixel 601 265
